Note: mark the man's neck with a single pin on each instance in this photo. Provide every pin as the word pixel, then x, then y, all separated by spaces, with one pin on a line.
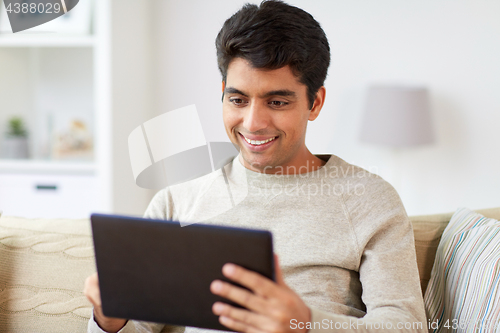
pixel 304 164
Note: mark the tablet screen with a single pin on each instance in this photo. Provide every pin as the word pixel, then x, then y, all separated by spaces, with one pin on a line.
pixel 156 270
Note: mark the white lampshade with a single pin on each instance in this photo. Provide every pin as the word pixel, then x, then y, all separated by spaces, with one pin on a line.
pixel 397 116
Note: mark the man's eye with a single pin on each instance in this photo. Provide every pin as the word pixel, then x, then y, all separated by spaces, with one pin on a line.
pixel 278 103
pixel 236 101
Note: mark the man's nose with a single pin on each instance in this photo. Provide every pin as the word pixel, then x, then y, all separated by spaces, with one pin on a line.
pixel 256 117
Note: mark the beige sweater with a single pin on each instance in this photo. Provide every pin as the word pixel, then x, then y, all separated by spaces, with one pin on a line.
pixel 342 235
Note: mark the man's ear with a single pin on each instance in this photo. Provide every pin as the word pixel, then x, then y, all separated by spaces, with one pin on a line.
pixel 223 87
pixel 318 103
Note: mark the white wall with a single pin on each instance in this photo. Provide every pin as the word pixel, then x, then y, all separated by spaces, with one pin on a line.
pixel 453 47
pixel 132 96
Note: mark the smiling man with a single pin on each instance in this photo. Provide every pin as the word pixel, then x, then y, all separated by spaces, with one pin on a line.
pixel 345 244
pixel 265 113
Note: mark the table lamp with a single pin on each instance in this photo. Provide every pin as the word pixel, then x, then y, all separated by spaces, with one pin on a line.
pixel 398 117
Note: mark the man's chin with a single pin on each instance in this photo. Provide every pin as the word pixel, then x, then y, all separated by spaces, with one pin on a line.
pixel 257 161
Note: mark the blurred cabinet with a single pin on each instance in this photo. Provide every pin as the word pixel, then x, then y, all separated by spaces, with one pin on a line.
pixel 60 84
pixel 44 195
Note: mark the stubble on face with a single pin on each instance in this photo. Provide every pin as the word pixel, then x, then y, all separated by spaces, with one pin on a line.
pixel 260 104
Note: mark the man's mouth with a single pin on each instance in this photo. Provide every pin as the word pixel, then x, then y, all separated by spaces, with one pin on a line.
pixel 258 142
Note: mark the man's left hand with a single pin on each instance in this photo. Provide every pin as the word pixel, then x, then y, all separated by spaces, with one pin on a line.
pixel 271 305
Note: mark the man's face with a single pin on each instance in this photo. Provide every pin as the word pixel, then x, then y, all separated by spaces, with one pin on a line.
pixel 269 107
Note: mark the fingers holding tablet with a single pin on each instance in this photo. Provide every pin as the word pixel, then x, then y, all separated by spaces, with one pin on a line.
pixel 93 294
pixel 269 306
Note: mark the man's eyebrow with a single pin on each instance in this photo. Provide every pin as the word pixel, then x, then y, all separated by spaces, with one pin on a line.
pixel 280 92
pixel 231 90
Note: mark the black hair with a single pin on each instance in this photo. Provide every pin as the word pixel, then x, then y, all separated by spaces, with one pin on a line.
pixel 274 35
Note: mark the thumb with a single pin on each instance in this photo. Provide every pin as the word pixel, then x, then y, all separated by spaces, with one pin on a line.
pixel 91 290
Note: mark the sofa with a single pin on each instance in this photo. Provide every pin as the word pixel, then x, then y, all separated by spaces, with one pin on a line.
pixel 44 263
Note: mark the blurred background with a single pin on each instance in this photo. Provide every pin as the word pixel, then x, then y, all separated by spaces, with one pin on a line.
pixel 80 92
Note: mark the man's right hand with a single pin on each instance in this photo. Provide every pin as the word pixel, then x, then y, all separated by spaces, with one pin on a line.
pixel 92 292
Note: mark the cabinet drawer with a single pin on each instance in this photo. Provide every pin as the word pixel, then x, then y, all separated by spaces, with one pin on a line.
pixel 49 196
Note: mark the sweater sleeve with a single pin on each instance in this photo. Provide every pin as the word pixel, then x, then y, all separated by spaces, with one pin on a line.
pixel 158 207
pixel 387 266
pixel 133 326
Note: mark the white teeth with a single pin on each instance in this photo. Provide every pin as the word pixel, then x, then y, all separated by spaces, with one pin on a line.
pixel 258 143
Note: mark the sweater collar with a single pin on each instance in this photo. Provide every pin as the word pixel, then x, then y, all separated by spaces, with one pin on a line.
pixel 253 177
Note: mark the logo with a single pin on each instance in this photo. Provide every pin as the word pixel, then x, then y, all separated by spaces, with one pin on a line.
pixel 26 14
pixel 171 149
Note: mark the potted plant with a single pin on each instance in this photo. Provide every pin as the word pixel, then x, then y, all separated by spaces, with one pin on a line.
pixel 15 143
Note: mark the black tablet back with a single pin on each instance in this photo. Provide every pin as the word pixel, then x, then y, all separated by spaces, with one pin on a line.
pixel 156 270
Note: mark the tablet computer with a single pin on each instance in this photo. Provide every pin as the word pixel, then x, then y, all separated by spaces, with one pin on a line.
pixel 156 270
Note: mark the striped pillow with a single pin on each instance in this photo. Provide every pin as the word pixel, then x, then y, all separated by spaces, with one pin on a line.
pixel 464 290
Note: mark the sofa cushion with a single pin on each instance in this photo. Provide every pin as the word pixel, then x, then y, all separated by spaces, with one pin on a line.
pixel 427 230
pixel 43 266
pixel 463 289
